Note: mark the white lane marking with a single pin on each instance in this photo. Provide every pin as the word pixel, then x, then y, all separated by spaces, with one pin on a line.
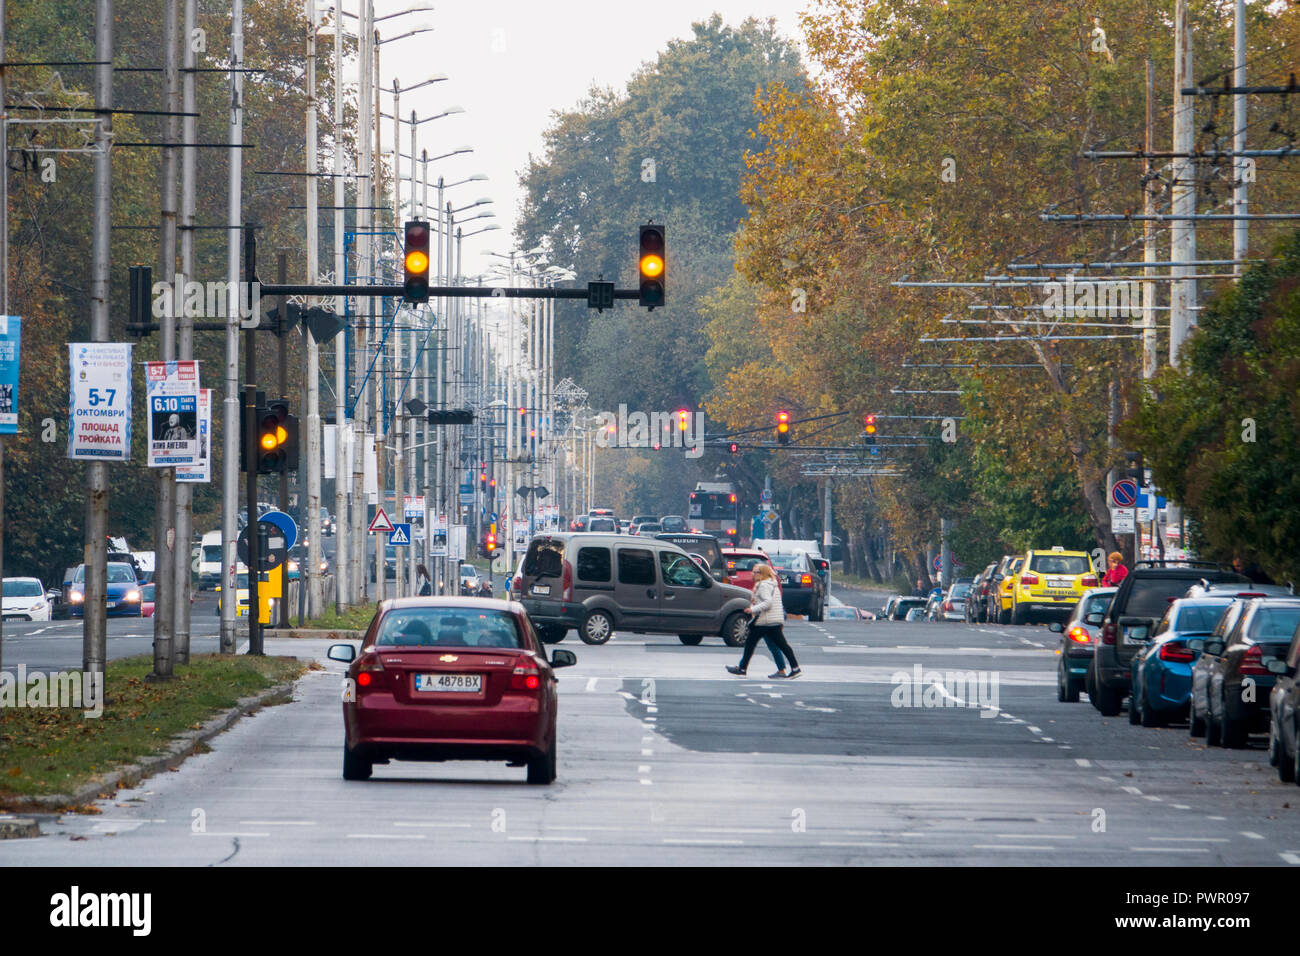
pixel 1133 790
pixel 548 839
pixel 647 783
pixel 1003 846
pixel 1187 839
pixel 1216 818
pixel 277 823
pixel 1106 779
pixel 1082 762
pixel 1290 857
pixel 1147 796
pixel 821 710
pixel 431 826
pixel 647 752
pixel 647 739
pixel 643 768
pixel 1250 835
pixel 685 842
pixel 1170 849
pixel 591 683
pixel 1048 740
pixel 214 833
pixel 767 830
pixel 652 710
pixel 1035 730
pixel 591 828
pixel 1181 806
pixel 1034 836
pixel 850 843
pixel 387 836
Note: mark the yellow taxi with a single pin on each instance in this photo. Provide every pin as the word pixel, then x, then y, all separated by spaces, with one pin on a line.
pixel 241 594
pixel 1006 578
pixel 1050 583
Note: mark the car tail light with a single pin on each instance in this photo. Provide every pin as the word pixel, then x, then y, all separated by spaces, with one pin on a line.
pixel 1253 661
pixel 947 605
pixel 1028 578
pixel 567 582
pixel 1175 651
pixel 1079 635
pixel 805 579
pixel 526 676
pixel 369 669
pixel 1108 632
pixel 1251 594
pixel 1089 581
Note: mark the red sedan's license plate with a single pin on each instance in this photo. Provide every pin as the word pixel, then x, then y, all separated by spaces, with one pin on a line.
pixel 449 683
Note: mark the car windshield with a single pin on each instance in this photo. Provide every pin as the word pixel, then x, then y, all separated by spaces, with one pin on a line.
pixel 747 563
pixel 959 590
pixel 120 574
pixel 449 627
pixel 1073 564
pixel 1199 617
pixel 788 562
pixel 19 587
pixel 1274 625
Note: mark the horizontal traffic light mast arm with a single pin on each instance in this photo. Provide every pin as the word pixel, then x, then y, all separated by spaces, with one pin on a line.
pixel 447 291
pixel 768 428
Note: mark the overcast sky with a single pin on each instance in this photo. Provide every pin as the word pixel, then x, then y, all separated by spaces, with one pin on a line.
pixel 510 64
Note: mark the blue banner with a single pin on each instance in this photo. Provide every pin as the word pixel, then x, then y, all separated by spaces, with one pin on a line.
pixel 10 351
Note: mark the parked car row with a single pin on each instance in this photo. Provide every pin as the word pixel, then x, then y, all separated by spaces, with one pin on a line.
pixel 1192 642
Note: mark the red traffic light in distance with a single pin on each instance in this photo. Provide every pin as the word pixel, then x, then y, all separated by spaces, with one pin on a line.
pixel 683 415
pixel 869 424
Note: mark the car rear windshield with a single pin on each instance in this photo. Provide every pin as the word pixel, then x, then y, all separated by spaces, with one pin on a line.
pixel 1274 625
pixel 788 562
pixel 545 558
pixel 1073 564
pixel 448 627
pixel 959 591
pixel 745 563
pixel 673 523
pixel 1149 596
pixel 602 524
pixel 1200 617
pixel 212 553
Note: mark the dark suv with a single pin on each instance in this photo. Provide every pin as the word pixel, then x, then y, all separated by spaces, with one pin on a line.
pixel 1141 601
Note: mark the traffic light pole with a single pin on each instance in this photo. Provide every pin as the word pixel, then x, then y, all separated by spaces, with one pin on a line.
pixel 250 462
pixel 282 313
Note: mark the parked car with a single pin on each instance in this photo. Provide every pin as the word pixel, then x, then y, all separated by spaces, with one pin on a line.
pixel 915 614
pixel 902 607
pixel 450 679
pixel 953 606
pixel 1050 583
pixel 843 612
pixel 977 609
pixel 1238 651
pixel 1139 603
pixel 999 602
pixel 1232 589
pixel 579 523
pixel 25 599
pixel 740 564
pixel 1078 639
pixel 598 583
pixel 802 591
pixel 147 599
pixel 122 593
pixel 1162 671
pixel 1284 713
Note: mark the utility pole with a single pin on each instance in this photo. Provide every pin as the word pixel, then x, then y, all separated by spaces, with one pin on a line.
pixel 185 341
pixel 94 634
pixel 1241 226
pixel 232 410
pixel 343 580
pixel 165 516
pixel 826 534
pixel 1182 315
pixel 309 576
pixel 1149 251
pixel 281 618
pixel 4 286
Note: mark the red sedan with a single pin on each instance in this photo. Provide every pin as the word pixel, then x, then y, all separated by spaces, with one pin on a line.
pixel 740 565
pixel 450 679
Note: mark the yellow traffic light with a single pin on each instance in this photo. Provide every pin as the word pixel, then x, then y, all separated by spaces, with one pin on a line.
pixel 652 266
pixel 417 261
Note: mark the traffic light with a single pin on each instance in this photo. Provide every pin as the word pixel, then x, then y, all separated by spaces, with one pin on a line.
pixel 783 427
pixel 482 481
pixel 277 439
pixel 652 266
pixel 683 416
pixel 416 262
pixel 869 428
pixel 734 448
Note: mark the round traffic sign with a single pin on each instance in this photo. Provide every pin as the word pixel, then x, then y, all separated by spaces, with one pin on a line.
pixel 285 524
pixel 1124 493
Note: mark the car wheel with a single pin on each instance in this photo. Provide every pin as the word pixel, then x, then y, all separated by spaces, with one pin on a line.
pixel 1151 717
pixel 1018 616
pixel 1295 766
pixel 1004 617
pixel 1278 757
pixel 1067 687
pixel 1232 733
pixel 355 767
pixel 597 628
pixel 690 640
pixel 542 770
pixel 1108 702
pixel 735 629
pixel 1211 726
pixel 1134 711
pixel 551 635
pixel 820 614
pixel 1195 724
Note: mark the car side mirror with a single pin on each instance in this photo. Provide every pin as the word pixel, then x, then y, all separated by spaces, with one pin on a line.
pixel 53 595
pixel 1276 665
pixel 342 652
pixel 1214 646
pixel 563 658
pixel 1056 627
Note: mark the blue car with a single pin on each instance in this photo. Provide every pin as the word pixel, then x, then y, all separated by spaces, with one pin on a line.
pixel 1162 669
pixel 123 597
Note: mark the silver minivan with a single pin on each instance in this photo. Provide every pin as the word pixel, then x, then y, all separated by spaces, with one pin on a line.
pixel 597 583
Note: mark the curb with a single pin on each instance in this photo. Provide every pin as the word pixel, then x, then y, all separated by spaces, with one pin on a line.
pixel 182 746
pixel 16 828
pixel 315 634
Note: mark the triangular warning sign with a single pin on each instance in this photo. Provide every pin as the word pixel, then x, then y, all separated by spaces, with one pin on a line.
pixel 397 537
pixel 380 522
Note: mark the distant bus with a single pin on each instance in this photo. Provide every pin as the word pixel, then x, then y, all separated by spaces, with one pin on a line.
pixel 715 506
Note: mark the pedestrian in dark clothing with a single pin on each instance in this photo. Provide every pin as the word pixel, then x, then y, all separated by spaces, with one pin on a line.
pixel 1252 570
pixel 427 587
pixel 768 621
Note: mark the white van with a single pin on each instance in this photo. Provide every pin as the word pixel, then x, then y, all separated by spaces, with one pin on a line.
pixel 210 560
pixel 787 546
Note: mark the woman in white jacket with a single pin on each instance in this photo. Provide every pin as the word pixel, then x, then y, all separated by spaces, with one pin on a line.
pixel 768 620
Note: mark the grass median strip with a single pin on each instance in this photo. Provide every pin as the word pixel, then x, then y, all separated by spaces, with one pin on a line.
pixel 352 619
pixel 48 750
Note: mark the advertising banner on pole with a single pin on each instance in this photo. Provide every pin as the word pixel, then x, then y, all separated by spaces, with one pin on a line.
pixel 173 393
pixel 10 350
pixel 413 512
pixel 457 541
pixel 438 544
pixel 520 536
pixel 202 472
pixel 99 401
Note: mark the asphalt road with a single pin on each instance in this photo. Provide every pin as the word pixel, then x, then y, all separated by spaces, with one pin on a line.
pixel 666 759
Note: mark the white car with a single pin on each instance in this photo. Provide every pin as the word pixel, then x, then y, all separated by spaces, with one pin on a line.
pixel 25 600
